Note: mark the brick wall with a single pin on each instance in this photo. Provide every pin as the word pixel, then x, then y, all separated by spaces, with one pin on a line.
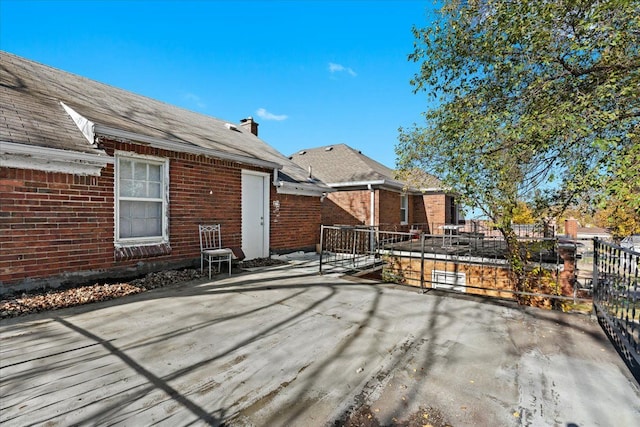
pixel 388 208
pixel 353 208
pixel 435 206
pixel 346 207
pixel 58 229
pixel 203 191
pixel 295 222
pixel 419 213
pixel 53 223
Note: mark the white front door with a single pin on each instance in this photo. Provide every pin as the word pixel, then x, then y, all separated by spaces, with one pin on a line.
pixel 255 214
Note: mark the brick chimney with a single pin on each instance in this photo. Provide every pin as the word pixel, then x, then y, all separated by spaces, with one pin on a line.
pixel 571 228
pixel 250 125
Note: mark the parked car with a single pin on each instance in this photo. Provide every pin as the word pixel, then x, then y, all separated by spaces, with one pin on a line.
pixel 631 242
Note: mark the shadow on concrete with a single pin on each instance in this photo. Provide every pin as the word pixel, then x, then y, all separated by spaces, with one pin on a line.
pixel 80 355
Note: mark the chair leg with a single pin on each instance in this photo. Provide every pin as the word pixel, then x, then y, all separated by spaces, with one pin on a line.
pixel 219 260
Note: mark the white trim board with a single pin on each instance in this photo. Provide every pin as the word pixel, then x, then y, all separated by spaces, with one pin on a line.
pixel 24 156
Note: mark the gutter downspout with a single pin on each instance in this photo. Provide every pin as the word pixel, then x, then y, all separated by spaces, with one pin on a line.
pixel 373 234
pixel 276 180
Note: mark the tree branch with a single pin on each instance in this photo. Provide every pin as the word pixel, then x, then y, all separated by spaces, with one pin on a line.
pixel 596 68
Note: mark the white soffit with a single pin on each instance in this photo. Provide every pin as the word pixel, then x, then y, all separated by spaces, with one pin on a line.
pixel 300 189
pixel 22 156
pixel 382 183
pixel 356 183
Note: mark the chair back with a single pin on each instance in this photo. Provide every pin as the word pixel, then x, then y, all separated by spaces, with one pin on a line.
pixel 210 237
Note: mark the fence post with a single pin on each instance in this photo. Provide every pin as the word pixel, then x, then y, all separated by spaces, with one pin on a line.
pixel 422 262
pixel 372 242
pixel 594 276
pixel 321 246
pixel 353 251
pixel 576 282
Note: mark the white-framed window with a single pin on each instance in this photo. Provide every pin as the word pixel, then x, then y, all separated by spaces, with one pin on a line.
pixel 404 209
pixel 455 281
pixel 142 199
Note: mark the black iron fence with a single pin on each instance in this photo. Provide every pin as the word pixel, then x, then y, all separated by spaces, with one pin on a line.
pixel 485 228
pixel 616 298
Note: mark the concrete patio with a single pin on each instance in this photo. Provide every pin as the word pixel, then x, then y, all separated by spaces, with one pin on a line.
pixel 283 346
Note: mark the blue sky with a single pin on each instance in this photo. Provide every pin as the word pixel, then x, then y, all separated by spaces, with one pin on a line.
pixel 312 73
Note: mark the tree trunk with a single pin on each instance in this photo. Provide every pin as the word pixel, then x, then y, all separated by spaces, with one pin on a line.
pixel 517 259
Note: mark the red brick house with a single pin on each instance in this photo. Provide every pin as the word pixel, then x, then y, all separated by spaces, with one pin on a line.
pixel 99 182
pixel 369 193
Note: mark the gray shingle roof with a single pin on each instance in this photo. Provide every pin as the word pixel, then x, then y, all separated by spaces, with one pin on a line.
pixel 31 113
pixel 420 179
pixel 341 164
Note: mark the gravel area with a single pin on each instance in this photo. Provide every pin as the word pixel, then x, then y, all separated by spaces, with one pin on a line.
pixel 53 299
pixel 365 417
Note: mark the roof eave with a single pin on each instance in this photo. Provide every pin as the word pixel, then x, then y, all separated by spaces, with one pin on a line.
pixel 181 147
pixel 434 190
pixel 302 189
pixel 355 183
pixel 379 183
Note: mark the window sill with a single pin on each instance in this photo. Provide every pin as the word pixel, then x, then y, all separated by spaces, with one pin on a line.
pixel 126 253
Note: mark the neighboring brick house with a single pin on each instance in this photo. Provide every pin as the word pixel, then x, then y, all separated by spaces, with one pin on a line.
pixel 98 182
pixel 368 193
pixel 574 230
